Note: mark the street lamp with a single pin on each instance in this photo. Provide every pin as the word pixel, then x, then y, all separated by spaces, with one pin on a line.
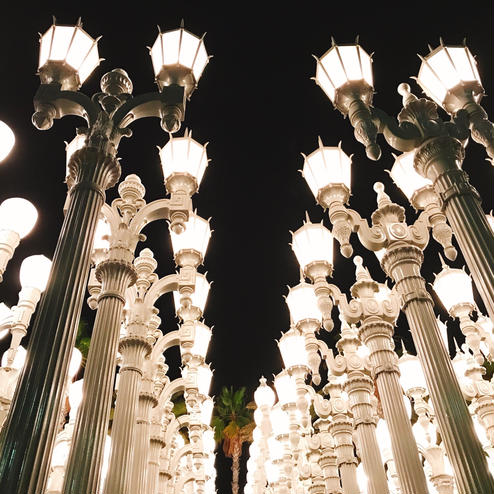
pixel 7 140
pixel 67 57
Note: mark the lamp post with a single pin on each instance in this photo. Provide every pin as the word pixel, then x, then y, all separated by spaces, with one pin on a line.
pixel 450 76
pixel 401 249
pixel 67 56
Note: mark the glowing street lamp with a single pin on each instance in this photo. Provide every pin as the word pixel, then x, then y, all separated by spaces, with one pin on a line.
pixel 7 140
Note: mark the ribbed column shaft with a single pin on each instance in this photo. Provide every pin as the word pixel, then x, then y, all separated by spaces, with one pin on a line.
pixel 439 159
pixel 133 349
pixel 28 437
pixel 402 263
pixel 341 429
pixel 154 465
pixel 86 454
pixel 329 467
pixel 142 436
pixel 359 388
pixel 377 335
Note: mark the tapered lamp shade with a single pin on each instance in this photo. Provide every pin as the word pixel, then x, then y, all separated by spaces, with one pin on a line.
pixel 285 388
pixel 67 56
pixel 184 155
pixel 178 55
pixel 327 166
pixel 195 237
pixel 60 454
pixel 312 242
pixel 447 74
pixel 453 287
pixel 75 363
pixel 75 397
pixel 206 411
pixel 264 394
pixel 341 65
pixel 302 303
pixel 34 272
pixel 74 145
pixel 292 349
pixel 460 365
pixel 202 337
pixel 19 359
pixel 7 140
pixel 204 376
pixel 102 235
pixel 411 375
pixel 199 295
pixel 279 421
pixel 18 215
pixel 405 177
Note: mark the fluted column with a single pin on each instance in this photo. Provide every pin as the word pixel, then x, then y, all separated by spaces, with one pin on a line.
pixel 439 159
pixel 378 337
pixel 359 388
pixel 27 439
pixel 341 429
pixel 133 349
pixel 402 263
pixel 86 455
pixel 327 459
pixel 139 466
pixel 156 442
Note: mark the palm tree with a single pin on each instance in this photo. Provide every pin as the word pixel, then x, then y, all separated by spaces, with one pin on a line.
pixel 233 423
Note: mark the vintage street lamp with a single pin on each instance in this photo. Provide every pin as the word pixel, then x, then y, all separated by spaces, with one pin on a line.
pixel 67 56
pixel 450 75
pixel 402 246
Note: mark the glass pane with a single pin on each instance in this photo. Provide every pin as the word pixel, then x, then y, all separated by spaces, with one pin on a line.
pixel 366 62
pixel 200 61
pixel 332 64
pixel 171 47
pixel 61 42
pixel 188 49
pixel 441 65
pixel 349 55
pixel 462 63
pixel 81 44
pixel 157 55
pixel 44 50
pixel 431 84
pixel 89 64
pixel 324 81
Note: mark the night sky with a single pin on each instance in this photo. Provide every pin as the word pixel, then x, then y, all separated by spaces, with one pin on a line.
pixel 259 110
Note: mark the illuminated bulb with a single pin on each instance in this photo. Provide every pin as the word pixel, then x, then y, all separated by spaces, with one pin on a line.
pixel 34 272
pixel 7 140
pixel 17 215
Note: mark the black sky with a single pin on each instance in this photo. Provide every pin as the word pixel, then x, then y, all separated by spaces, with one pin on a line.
pixel 258 109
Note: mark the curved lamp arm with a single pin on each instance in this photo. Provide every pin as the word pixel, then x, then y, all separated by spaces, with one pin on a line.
pixel 51 103
pixel 164 342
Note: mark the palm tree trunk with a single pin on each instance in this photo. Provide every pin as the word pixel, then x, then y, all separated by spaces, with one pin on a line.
pixel 236 466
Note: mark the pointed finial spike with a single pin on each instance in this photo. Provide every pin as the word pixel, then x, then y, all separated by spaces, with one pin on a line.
pixel 333 42
pixel 319 142
pixel 403 348
pixel 182 24
pixel 430 48
pixel 443 264
pixel 307 219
